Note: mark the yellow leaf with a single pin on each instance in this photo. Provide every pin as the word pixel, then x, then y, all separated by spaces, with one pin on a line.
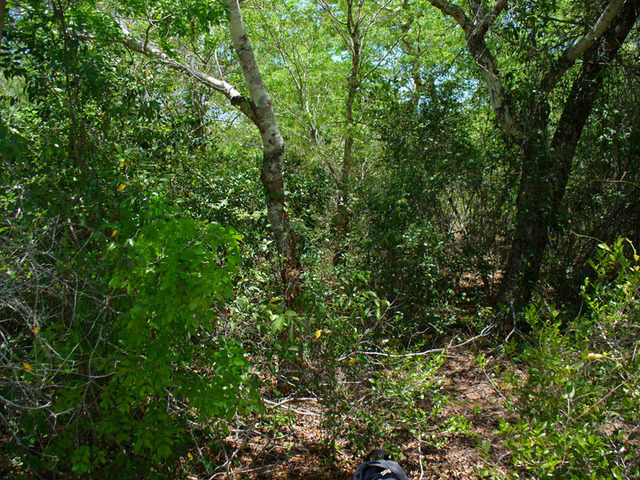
pixel 318 333
pixel 189 456
pixel 352 361
pixel 114 233
pixel 36 330
pixel 122 163
pixel 27 366
pixel 121 187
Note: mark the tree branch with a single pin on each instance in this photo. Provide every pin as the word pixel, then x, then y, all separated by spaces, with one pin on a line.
pixel 454 11
pixel 487 22
pixel 474 34
pixel 571 54
pixel 235 98
pixel 251 73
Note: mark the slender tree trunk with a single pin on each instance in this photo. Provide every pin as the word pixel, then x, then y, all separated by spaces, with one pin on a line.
pixel 259 109
pixel 272 151
pixel 342 217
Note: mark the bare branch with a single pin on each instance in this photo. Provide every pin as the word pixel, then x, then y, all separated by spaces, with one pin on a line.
pixel 338 24
pixel 485 331
pixel 607 17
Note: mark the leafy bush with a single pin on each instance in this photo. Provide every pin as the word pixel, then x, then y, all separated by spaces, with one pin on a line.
pixel 393 402
pixel 344 335
pixel 579 409
pixel 435 206
pixel 114 382
pixel 112 352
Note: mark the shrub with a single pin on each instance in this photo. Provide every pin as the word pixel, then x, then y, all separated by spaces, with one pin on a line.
pixel 111 355
pixel 579 408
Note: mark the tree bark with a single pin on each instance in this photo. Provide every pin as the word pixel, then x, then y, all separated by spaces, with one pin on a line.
pixel 546 167
pixel 272 151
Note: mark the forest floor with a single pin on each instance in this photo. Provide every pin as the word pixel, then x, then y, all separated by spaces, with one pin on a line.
pixel 299 450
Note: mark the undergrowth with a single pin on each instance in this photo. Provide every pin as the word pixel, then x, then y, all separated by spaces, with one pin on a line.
pixel 578 409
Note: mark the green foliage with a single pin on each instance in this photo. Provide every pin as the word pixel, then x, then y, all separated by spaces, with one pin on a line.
pixel 131 310
pixel 115 357
pixel 341 341
pixel 602 196
pixel 433 208
pixel 182 18
pixel 578 409
pixel 405 402
pixel 124 377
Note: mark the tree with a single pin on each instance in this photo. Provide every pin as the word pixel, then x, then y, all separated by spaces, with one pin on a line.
pixel 355 22
pixel 547 145
pixel 273 149
pixel 127 278
pixel 258 108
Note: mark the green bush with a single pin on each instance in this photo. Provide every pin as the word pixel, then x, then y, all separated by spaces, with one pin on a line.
pixel 110 375
pixel 579 409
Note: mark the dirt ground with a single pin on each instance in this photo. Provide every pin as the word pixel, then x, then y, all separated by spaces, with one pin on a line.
pixel 298 450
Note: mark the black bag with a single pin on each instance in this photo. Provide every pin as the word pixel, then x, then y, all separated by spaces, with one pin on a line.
pixel 383 469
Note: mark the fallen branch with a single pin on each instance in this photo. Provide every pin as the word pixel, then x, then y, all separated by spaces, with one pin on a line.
pixel 485 331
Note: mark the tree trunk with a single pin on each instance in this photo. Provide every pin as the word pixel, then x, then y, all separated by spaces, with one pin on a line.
pixel 272 154
pixel 533 213
pixel 546 167
pixel 342 217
